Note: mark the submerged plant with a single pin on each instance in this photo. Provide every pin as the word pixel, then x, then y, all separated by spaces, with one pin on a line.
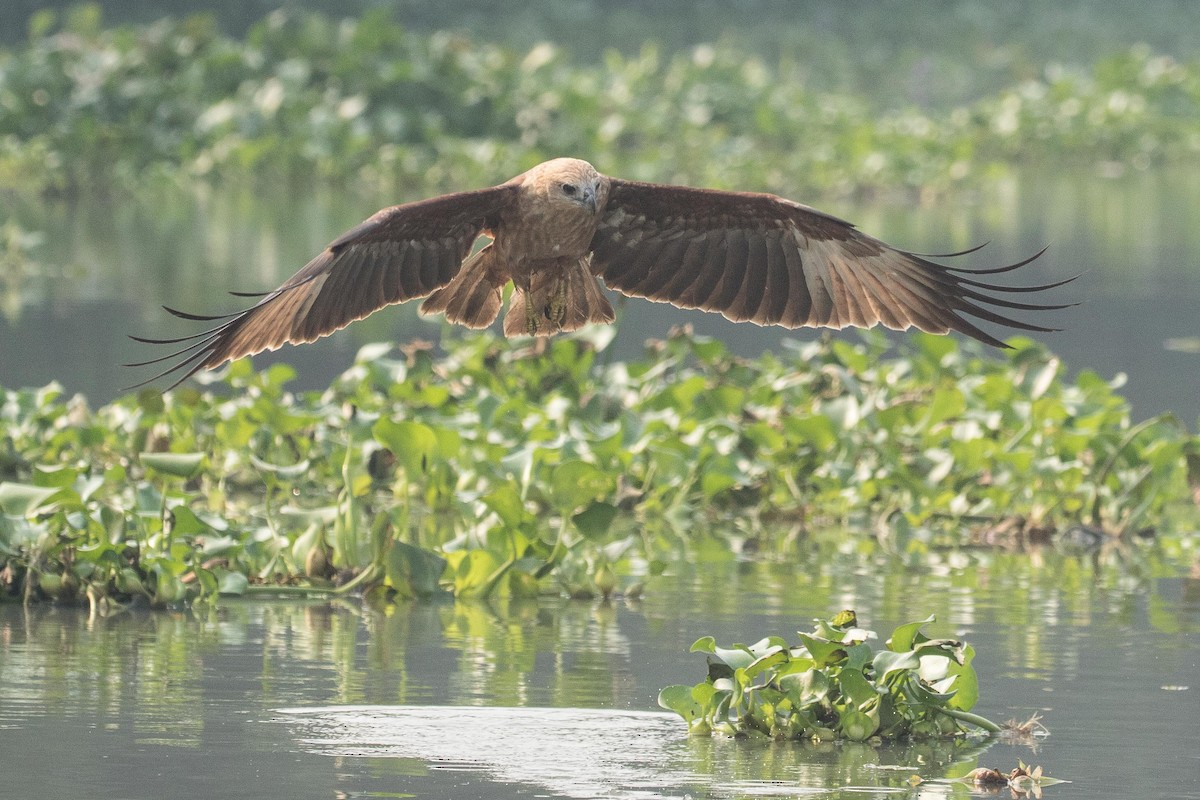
pixel 833 684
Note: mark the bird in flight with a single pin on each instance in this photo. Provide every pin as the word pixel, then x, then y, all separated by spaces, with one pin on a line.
pixel 558 228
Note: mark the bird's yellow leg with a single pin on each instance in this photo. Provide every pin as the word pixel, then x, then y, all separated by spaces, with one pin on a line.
pixel 531 316
pixel 556 309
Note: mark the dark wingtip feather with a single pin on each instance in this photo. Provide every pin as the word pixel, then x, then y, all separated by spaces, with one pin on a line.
pixel 199 317
pixel 955 254
pixel 195 356
pixel 995 270
pixel 992 287
pixel 974 297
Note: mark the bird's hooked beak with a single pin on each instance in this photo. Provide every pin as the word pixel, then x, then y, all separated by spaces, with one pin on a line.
pixel 589 196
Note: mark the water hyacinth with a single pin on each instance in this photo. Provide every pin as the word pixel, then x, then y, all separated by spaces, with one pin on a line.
pixel 833 684
pixel 490 468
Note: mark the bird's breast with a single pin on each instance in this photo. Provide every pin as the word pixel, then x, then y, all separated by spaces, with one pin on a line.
pixel 540 234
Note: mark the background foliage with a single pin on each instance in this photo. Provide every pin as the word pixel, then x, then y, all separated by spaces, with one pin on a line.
pixel 369 100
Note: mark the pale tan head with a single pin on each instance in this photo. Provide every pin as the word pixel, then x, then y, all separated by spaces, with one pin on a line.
pixel 568 183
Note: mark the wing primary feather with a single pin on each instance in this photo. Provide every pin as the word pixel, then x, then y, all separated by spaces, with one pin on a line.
pixel 997 301
pixel 737 247
pixel 190 361
pixel 694 261
pixel 955 254
pixel 991 271
pixel 799 302
pixel 177 339
pixel 659 270
pixel 169 356
pixel 199 317
pixel 821 304
pixel 750 296
pixel 992 287
pixel 975 332
pixel 991 316
pixel 690 288
pixel 775 292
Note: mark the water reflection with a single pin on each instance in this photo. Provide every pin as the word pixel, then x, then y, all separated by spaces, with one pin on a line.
pixel 402 699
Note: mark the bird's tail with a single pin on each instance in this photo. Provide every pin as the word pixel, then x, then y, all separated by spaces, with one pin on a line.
pixel 557 300
pixel 471 298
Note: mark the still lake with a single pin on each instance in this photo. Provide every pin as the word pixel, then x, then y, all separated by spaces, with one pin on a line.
pixel 557 698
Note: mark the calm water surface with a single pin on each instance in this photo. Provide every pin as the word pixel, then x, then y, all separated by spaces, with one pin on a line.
pixel 557 698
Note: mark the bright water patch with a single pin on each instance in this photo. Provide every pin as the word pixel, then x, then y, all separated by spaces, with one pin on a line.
pixel 569 751
pixel 589 753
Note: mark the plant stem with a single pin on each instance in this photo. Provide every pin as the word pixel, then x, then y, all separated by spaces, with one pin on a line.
pixel 972 719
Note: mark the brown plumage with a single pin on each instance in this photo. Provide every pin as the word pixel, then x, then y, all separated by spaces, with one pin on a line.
pixel 558 227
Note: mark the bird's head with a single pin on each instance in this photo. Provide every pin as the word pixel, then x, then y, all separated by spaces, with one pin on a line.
pixel 569 182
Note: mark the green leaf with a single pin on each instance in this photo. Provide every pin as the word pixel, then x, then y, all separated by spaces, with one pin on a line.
pixel 284 471
pixel 766 662
pixel 230 582
pixel 178 465
pixel 807 687
pixel 680 700
pixel 904 636
pixel 574 483
pixel 22 499
pixel 887 661
pixel 817 431
pixel 505 500
pixel 823 652
pixel 595 520
pixel 474 571
pixel 966 684
pixel 412 443
pixel 858 726
pixel 412 571
pixel 844 619
pixel 858 655
pixel 185 522
pixel 737 657
pixel 856 687
pixel 55 476
pixel 705 644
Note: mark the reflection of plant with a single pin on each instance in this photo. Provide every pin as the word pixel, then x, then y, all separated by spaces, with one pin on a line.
pixel 16 265
pixel 833 684
pixel 492 471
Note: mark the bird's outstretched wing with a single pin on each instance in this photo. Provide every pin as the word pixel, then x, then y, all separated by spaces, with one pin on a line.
pixel 400 253
pixel 771 261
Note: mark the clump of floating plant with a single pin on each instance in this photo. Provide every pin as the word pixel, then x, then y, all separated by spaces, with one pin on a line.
pixel 490 468
pixel 834 684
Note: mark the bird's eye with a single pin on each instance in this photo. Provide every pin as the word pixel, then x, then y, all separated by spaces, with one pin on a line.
pixel 568 189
